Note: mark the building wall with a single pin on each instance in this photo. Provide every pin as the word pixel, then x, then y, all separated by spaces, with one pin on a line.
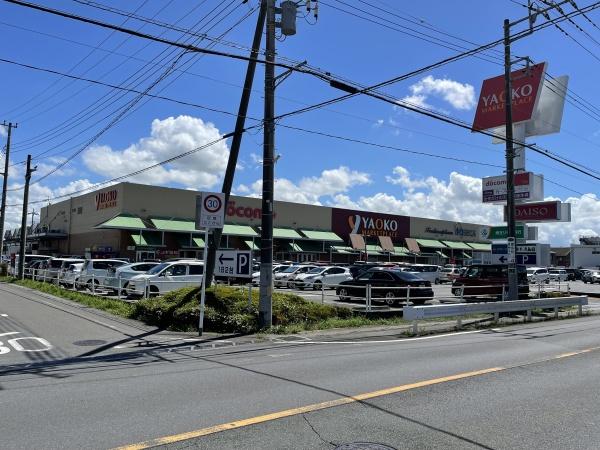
pixel 445 230
pixel 585 256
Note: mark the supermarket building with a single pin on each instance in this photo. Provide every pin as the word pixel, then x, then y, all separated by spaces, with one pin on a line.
pixel 150 222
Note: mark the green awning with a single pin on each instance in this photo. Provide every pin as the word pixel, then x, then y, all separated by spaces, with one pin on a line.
pixel 147 239
pixel 466 256
pixel 401 251
pixel 292 247
pixel 124 221
pixel 374 249
pixel 184 241
pixel 174 224
pixel 239 230
pixel 457 245
pixel 322 236
pixel 441 254
pixel 430 243
pixel 286 233
pixel 251 245
pixel 480 247
pixel 310 246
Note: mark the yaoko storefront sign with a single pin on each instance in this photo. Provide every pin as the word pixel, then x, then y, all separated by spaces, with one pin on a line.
pixel 526 83
pixel 106 199
pixel 345 222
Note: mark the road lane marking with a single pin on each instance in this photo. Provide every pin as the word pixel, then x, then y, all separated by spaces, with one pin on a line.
pixel 337 402
pixel 3 315
pixel 302 410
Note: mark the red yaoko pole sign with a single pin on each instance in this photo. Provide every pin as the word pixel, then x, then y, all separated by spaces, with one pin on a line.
pixel 525 92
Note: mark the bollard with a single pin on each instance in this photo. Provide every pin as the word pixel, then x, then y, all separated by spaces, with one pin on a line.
pixel 119 286
pixel 415 327
pixel 250 295
pixel 93 286
pixel 556 312
pixel 146 289
pixel 579 309
pixel 528 319
pixel 496 317
pixel 539 290
pixel 368 300
pixel 322 293
pixel 458 323
pixel 408 295
pixel 58 278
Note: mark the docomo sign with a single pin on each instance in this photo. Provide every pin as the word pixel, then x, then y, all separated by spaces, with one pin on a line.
pixel 247 212
pixel 346 222
pixel 525 91
pixel 542 212
pixel 528 186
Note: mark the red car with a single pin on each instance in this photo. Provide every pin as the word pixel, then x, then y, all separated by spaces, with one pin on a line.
pixel 488 280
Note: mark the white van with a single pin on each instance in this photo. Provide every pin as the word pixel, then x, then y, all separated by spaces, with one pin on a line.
pixel 538 275
pixel 96 270
pixel 166 277
pixel 428 272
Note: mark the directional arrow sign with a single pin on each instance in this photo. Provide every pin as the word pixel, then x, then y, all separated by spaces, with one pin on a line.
pixel 503 259
pixel 234 263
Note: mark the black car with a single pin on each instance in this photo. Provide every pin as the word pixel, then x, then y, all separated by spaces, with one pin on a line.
pixel 389 285
pixel 571 274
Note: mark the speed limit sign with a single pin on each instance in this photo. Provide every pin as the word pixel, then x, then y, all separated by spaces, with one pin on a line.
pixel 210 210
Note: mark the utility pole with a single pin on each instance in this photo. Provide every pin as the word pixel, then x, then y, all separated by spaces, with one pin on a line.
pixel 10 126
pixel 513 281
pixel 534 11
pixel 28 173
pixel 236 142
pixel 265 306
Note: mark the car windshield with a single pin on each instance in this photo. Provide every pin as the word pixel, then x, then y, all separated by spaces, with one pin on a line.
pixel 316 270
pixel 291 269
pixel 158 268
pixel 447 270
pixel 554 271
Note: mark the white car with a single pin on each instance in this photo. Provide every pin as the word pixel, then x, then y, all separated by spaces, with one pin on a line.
pixel 327 276
pixel 55 268
pixel 286 276
pixel 95 271
pixel 449 274
pixel 538 275
pixel 427 272
pixel 71 274
pixel 167 277
pixel 558 275
pixel 276 269
pixel 118 278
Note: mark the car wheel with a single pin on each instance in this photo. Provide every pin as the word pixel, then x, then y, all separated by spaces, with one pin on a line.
pixel 437 281
pixel 390 298
pixel 123 291
pixel 343 294
pixel 154 291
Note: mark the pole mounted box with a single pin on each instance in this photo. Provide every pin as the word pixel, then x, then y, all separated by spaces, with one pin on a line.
pixel 288 18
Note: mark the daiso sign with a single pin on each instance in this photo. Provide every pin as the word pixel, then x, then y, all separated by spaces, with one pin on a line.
pixel 345 222
pixel 525 89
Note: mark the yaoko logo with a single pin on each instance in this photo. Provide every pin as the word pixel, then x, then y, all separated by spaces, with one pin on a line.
pixel 345 222
pixel 106 199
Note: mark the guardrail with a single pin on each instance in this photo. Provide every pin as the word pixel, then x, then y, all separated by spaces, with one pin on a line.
pixel 416 313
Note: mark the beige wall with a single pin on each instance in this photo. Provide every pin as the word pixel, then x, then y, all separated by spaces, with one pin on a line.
pixel 445 230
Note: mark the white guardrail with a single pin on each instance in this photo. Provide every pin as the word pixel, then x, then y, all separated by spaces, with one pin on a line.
pixel 416 313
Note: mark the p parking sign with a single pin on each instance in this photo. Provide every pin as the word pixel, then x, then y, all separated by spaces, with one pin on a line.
pixel 210 210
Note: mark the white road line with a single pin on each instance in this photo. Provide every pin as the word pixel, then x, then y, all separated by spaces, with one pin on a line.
pixel 403 340
pixel 3 315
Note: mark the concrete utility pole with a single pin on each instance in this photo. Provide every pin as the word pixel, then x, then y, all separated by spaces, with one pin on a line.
pixel 10 126
pixel 534 11
pixel 266 236
pixel 28 173
pixel 237 138
pixel 513 281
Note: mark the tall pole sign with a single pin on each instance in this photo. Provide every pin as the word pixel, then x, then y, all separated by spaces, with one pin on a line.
pixel 210 213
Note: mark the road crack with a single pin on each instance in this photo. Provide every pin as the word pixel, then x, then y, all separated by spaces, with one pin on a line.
pixel 325 441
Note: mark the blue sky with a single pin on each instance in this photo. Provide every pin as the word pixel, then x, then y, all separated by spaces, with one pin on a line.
pixel 58 116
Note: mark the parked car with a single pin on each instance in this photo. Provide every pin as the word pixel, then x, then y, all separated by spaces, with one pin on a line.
pixel 117 278
pixel 428 272
pixel 280 279
pixel 489 280
pixel 291 279
pixel 71 274
pixel 276 269
pixel 586 275
pixel 54 268
pixel 558 275
pixel 449 274
pixel 34 269
pixel 391 286
pixel 538 275
pixel 166 277
pixel 325 276
pixel 359 267
pixel 14 263
pixel 95 271
pixel 571 274
pixel 594 276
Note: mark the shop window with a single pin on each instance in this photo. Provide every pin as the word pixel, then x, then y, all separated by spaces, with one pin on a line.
pixel 80 210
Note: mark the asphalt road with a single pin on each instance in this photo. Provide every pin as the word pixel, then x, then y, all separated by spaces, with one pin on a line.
pixel 530 386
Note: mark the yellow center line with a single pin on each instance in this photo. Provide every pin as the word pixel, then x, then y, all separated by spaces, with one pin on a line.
pixel 330 404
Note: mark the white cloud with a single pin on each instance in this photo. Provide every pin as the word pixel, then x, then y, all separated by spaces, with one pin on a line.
pixel 459 95
pixel 3 131
pixel 310 189
pixel 169 137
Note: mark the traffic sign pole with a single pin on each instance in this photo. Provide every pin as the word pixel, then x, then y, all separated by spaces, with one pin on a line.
pixel 203 289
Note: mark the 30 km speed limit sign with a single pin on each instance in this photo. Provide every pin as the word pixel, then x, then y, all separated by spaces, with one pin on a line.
pixel 210 210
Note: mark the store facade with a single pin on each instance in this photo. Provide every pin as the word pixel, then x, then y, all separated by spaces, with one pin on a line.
pixel 150 222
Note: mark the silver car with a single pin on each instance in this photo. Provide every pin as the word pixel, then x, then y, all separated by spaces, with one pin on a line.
pixel 118 278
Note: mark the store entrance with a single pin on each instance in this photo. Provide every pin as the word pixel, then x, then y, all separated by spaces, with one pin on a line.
pixel 143 255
